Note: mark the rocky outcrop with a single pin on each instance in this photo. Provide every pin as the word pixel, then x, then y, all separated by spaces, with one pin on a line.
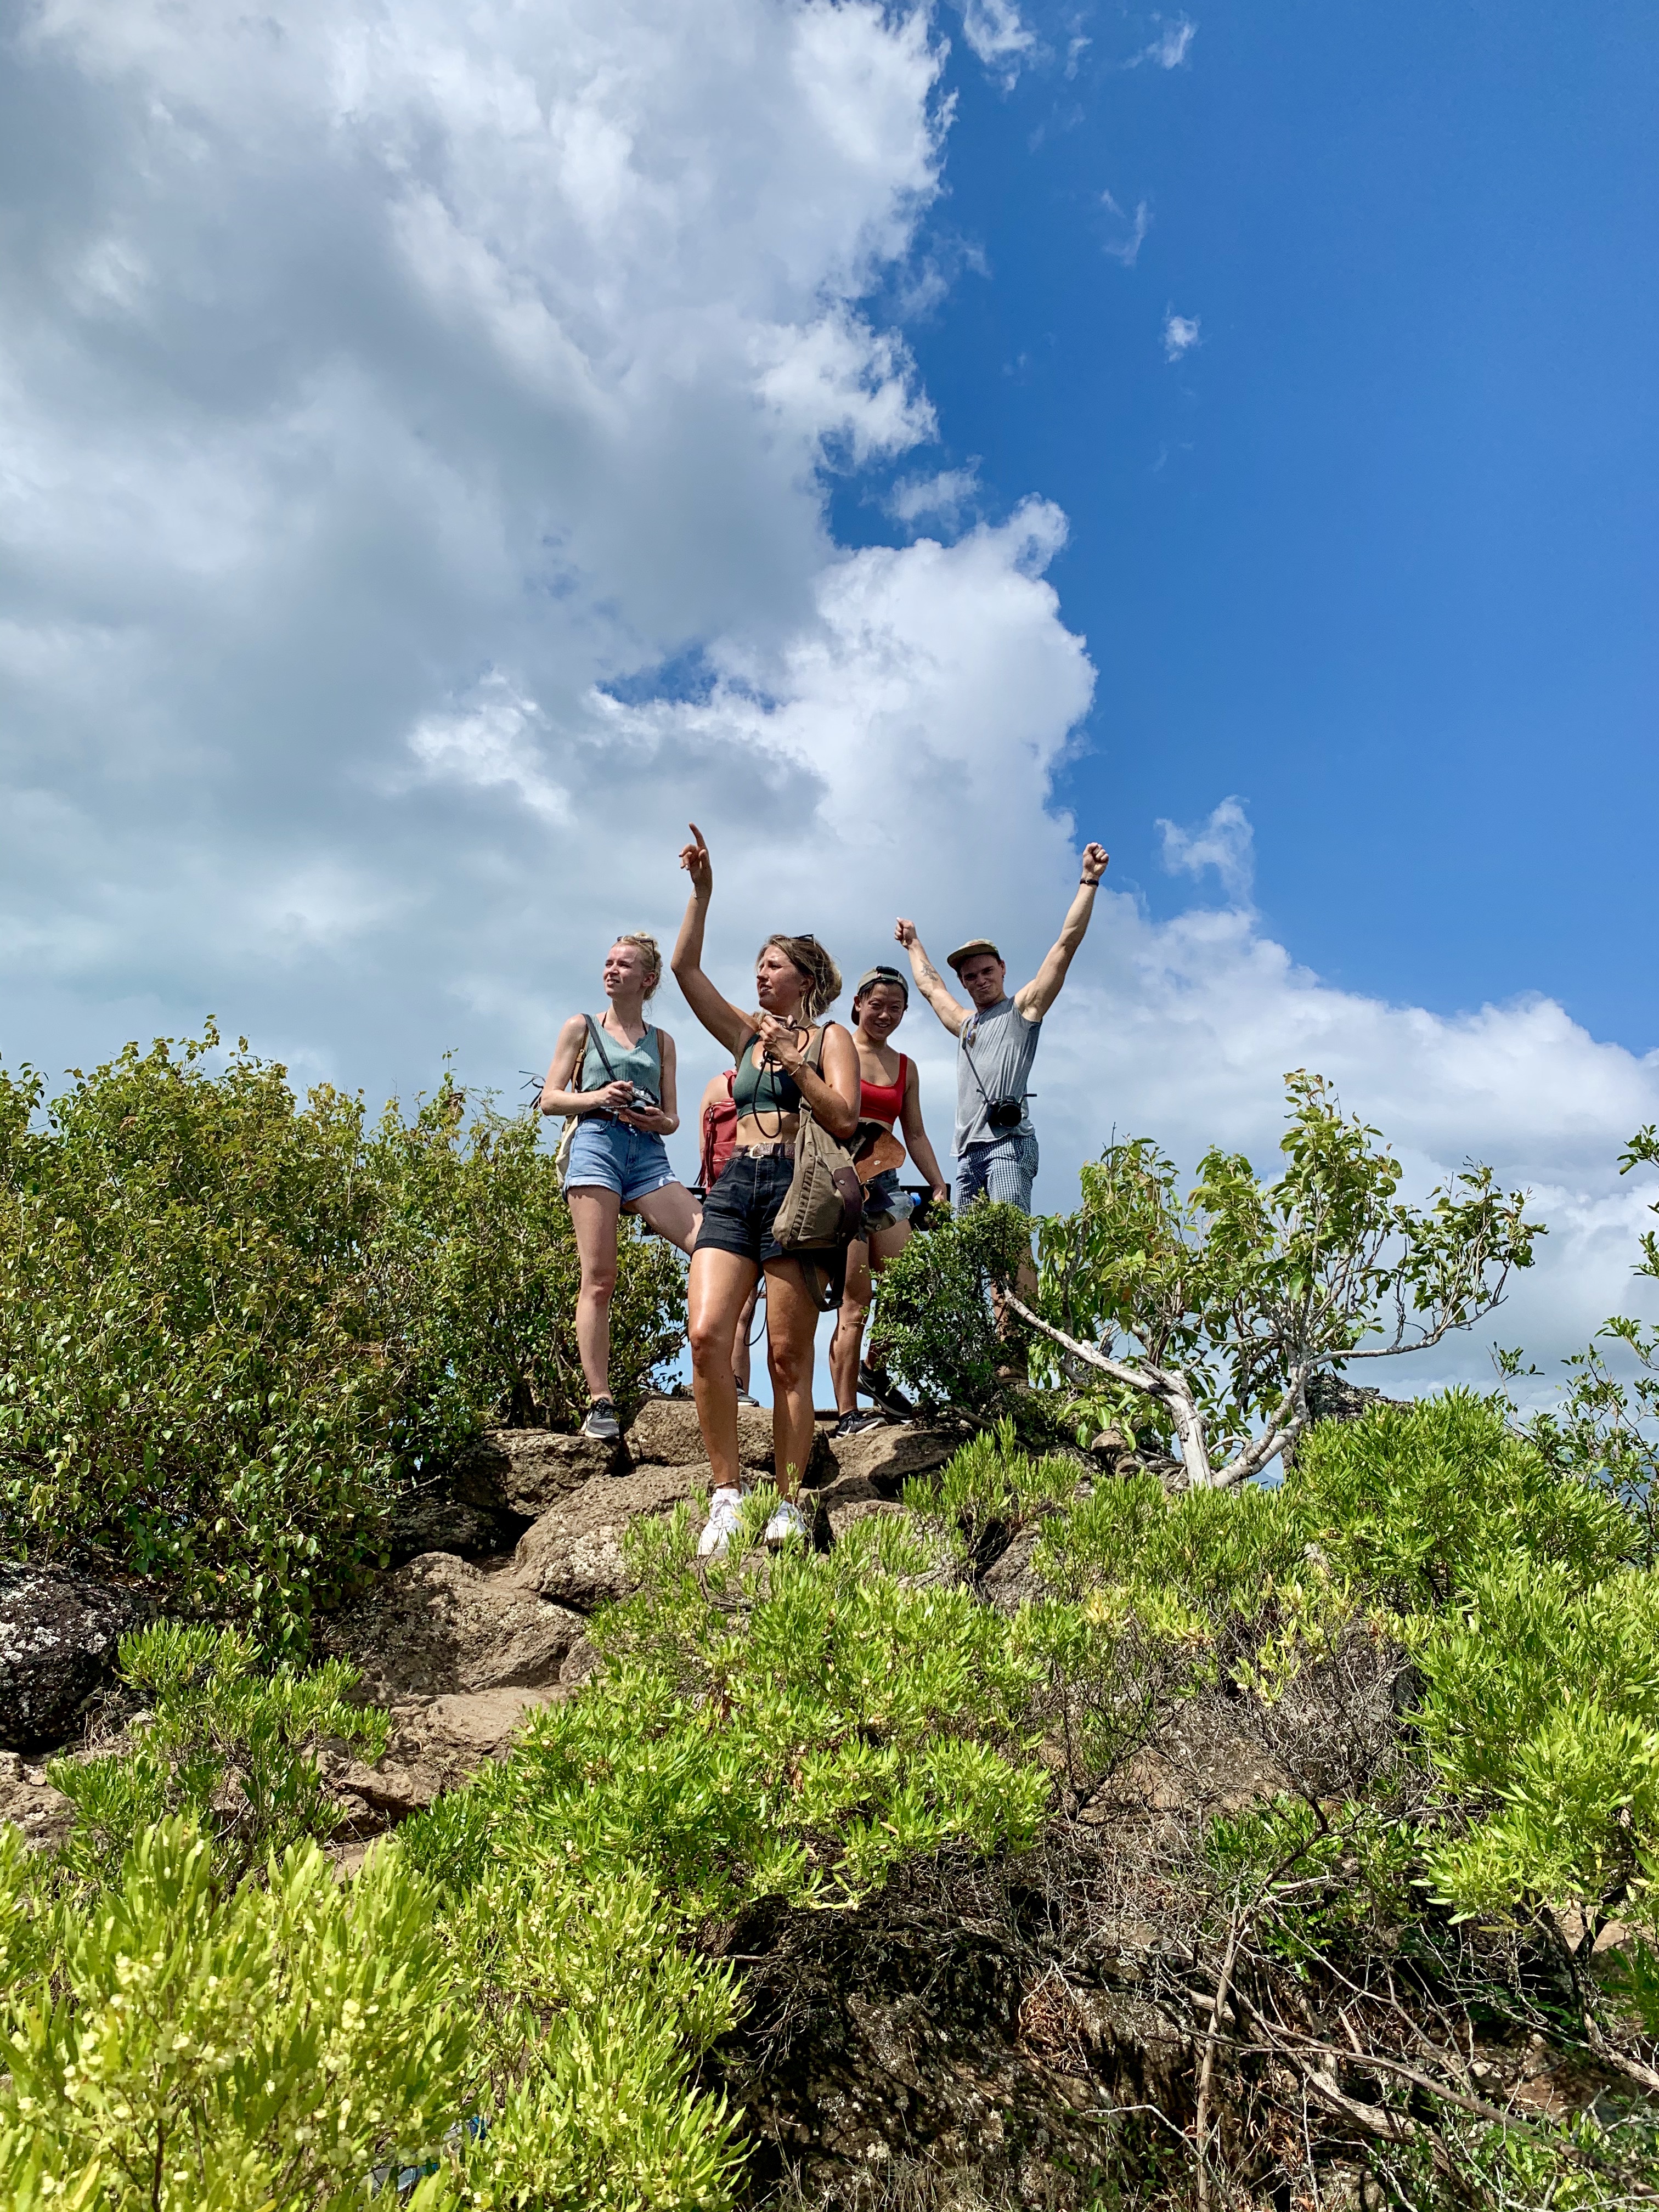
pixel 440 1625
pixel 574 1555
pixel 58 1633
pixel 887 1457
pixel 424 1521
pixel 1332 1397
pixel 29 1801
pixel 528 1471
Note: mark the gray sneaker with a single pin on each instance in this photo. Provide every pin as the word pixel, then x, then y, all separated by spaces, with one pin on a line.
pixel 602 1424
pixel 785 1524
pixel 725 1514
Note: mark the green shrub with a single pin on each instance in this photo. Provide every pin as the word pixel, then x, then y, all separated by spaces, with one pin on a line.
pixel 1313 1878
pixel 1540 1708
pixel 1416 1501
pixel 934 1323
pixel 993 1480
pixel 1197 1559
pixel 263 2050
pixel 229 1325
pixel 794 1726
pixel 226 1742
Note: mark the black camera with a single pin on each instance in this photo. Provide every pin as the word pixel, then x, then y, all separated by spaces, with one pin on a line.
pixel 1006 1113
pixel 642 1102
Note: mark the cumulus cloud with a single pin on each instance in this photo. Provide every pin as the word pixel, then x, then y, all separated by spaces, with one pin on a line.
pixel 416 429
pixel 1224 841
pixel 1180 334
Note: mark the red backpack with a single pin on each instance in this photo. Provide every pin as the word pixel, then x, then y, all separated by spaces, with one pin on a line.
pixel 720 1134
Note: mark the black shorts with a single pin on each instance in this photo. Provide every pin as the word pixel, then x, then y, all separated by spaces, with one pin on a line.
pixel 739 1212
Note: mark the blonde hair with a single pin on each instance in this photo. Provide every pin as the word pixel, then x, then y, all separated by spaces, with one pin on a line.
pixel 649 951
pixel 821 975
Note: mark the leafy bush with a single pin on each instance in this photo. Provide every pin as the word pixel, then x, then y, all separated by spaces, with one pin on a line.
pixel 193 2050
pixel 793 1726
pixel 230 1325
pixel 227 1743
pixel 1314 1877
pixel 1414 1501
pixel 935 1323
pixel 992 1480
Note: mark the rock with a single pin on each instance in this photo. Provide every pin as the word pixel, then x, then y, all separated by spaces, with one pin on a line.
pixel 850 1511
pixel 527 1471
pixel 574 1555
pixel 462 1731
pixel 58 1631
pixel 1011 1581
pixel 664 1433
pixel 439 1625
pixel 423 1523
pixel 29 1801
pixel 888 1456
pixel 1334 1398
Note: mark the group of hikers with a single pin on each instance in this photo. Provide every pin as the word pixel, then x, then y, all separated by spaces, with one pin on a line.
pixel 613 1078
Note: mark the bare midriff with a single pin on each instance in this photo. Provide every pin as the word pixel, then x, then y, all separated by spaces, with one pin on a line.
pixel 778 1129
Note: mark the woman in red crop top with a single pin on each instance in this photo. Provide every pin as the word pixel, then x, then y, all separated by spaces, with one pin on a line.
pixel 889 1093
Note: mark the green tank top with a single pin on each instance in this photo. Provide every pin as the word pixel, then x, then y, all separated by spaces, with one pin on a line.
pixel 760 1090
pixel 639 1063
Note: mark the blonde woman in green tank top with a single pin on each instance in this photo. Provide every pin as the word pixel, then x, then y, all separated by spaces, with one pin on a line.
pixel 618 1076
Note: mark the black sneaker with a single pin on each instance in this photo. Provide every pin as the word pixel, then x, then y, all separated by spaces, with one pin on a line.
pixel 602 1424
pixel 744 1398
pixel 886 1394
pixel 854 1424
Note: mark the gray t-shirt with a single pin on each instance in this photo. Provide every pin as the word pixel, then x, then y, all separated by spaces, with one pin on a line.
pixel 997 1047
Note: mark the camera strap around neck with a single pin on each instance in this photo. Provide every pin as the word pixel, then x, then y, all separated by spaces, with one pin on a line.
pixel 968 1054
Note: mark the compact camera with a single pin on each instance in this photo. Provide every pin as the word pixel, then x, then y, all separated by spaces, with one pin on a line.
pixel 1005 1113
pixel 642 1102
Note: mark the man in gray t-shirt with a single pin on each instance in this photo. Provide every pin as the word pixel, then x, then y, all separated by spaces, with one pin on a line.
pixel 996 1043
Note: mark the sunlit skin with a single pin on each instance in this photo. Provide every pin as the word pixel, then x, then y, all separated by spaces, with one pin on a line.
pixel 876 1013
pixel 721 1282
pixel 716 1093
pixel 671 1212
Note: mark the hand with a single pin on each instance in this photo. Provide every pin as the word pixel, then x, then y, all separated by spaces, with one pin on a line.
pixel 905 932
pixel 611 1098
pixel 941 1194
pixel 1095 858
pixel 778 1040
pixel 695 860
pixel 653 1120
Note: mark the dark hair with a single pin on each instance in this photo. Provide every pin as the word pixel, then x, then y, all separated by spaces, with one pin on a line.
pixel 816 970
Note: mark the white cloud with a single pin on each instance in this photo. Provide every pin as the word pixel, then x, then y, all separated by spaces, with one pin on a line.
pixel 998 34
pixel 1224 841
pixel 1168 50
pixel 1180 334
pixel 1126 249
pixel 387 396
pixel 945 496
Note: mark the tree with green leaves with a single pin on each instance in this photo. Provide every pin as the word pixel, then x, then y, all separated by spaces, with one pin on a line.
pixel 1216 1308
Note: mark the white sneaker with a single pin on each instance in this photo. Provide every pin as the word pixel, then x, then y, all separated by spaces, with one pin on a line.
pixel 785 1524
pixel 724 1513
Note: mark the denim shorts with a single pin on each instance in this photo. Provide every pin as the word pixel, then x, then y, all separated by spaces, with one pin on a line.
pixel 607 1155
pixel 1004 1170
pixel 885 1204
pixel 739 1212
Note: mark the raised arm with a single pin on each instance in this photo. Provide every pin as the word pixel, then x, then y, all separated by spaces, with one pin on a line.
pixel 929 982
pixel 718 1015
pixel 916 1141
pixel 1033 998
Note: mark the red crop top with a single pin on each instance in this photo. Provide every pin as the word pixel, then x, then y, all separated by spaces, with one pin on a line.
pixel 883 1101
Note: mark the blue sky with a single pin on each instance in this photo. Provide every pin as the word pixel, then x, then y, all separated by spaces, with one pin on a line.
pixel 1379 553
pixel 443 448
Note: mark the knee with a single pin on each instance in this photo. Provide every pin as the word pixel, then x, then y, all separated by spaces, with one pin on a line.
pixel 599 1283
pixel 854 1311
pixel 711 1345
pixel 790 1365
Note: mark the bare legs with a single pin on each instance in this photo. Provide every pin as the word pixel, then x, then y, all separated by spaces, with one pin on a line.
pixel 595 1213
pixel 846 1344
pixel 721 1284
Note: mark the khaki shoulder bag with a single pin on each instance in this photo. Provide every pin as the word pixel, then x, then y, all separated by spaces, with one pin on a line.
pixel 824 1208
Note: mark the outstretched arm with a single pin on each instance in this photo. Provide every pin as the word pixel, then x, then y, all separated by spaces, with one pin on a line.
pixel 718 1015
pixel 1033 998
pixel 929 982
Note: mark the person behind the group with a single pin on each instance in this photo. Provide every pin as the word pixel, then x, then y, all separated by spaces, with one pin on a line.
pixel 717 1118
pixel 997 1037
pixel 616 1075
pixel 795 980
pixel 890 1091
